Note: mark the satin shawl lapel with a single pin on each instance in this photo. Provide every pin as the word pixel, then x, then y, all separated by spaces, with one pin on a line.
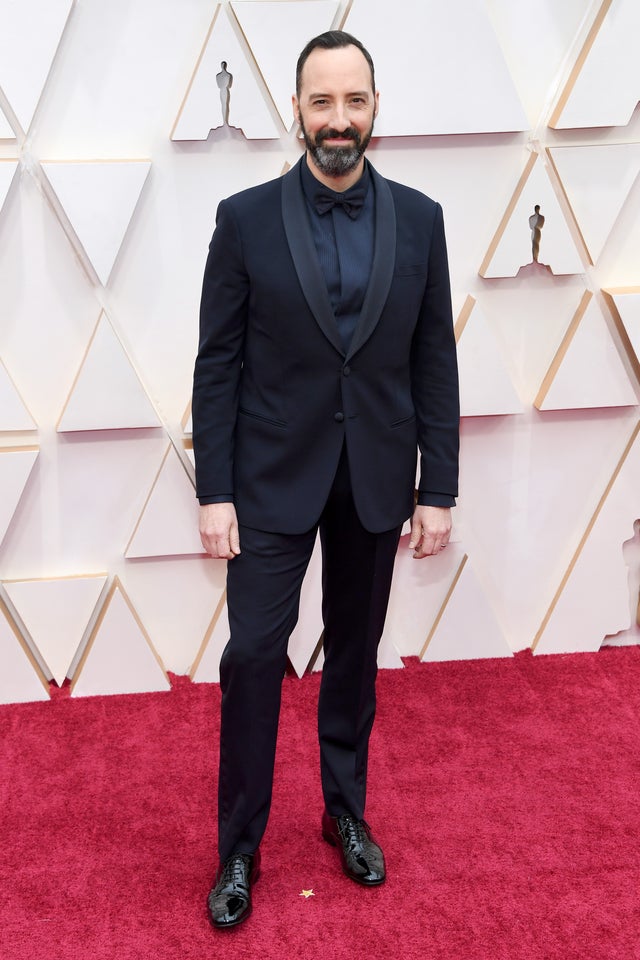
pixel 305 257
pixel 384 258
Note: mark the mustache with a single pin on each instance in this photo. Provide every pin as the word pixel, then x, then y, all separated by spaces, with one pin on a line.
pixel 329 133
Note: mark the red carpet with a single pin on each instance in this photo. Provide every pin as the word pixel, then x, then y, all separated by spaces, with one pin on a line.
pixel 505 794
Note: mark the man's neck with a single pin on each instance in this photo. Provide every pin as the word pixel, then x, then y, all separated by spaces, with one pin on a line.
pixel 339 184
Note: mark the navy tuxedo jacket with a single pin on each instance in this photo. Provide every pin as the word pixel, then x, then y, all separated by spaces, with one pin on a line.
pixel 275 397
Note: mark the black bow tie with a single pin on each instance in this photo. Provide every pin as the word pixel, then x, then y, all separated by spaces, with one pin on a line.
pixel 351 201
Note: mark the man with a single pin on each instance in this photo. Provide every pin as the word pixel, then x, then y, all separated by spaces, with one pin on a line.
pixel 326 359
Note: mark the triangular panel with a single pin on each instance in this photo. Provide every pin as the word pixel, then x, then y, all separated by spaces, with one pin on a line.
pixel 418 590
pixel 14 416
pixel 188 449
pixel 485 386
pixel 627 304
pixel 56 614
pixel 593 598
pixel 466 627
pixel 447 50
pixel 106 394
pixel 521 238
pixel 218 95
pixel 187 421
pixel 16 464
pixel 388 656
pixel 168 525
pixel 276 32
pixel 206 666
pixel 7 173
pixel 597 180
pixel 6 130
pixel 119 657
pixel 175 598
pixel 99 198
pixel 604 86
pixel 30 34
pixel 587 370
pixel 21 680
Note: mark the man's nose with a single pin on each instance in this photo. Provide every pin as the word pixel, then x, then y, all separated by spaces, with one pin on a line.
pixel 340 119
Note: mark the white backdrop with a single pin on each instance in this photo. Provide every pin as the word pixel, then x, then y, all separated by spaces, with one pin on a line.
pixel 550 489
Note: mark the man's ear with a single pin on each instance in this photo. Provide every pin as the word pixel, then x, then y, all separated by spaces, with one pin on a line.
pixel 296 108
pixel 377 103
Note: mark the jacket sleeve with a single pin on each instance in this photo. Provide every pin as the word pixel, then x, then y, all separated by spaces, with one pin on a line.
pixel 218 366
pixel 434 376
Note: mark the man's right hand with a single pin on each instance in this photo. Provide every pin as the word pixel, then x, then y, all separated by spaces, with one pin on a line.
pixel 219 530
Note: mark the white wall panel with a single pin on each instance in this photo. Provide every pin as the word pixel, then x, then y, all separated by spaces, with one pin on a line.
pixel 245 108
pixel 21 681
pixel 106 394
pixel 176 599
pixel 597 180
pixel 444 74
pixel 6 130
pixel 597 560
pixel 587 370
pixel 513 247
pixel 628 305
pixel 119 657
pixel 56 614
pixel 466 627
pixel 14 415
pixel 485 386
pixel 530 483
pixel 535 39
pixel 604 87
pixel 31 32
pixel 276 32
pixel 16 464
pixel 48 307
pixel 98 198
pixel 7 172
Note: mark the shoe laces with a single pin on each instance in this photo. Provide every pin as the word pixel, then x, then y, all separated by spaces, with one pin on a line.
pixel 353 832
pixel 234 870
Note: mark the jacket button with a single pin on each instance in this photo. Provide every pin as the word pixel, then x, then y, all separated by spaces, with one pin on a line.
pixel 338 417
pixel 346 371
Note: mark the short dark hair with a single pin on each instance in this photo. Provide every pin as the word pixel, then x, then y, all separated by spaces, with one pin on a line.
pixel 332 40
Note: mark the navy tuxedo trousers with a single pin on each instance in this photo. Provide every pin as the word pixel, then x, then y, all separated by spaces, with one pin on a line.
pixel 263 594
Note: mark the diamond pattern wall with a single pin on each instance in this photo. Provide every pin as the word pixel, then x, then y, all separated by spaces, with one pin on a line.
pixel 549 363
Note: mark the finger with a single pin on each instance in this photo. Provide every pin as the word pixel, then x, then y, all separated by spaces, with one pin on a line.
pixel 423 549
pixel 234 541
pixel 416 533
pixel 430 546
pixel 207 543
pixel 216 546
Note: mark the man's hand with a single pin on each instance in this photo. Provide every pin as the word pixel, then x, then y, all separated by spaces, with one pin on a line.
pixel 430 531
pixel 219 530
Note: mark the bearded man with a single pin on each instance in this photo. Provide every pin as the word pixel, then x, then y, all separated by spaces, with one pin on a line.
pixel 326 362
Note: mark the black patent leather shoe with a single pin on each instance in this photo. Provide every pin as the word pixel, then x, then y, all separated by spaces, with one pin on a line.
pixel 229 902
pixel 361 857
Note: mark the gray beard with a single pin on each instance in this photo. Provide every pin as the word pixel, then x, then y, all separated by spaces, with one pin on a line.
pixel 335 161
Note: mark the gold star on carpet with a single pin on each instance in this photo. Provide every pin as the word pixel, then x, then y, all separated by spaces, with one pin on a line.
pixel 306 894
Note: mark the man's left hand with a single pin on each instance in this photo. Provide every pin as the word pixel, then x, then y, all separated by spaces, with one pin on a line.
pixel 430 531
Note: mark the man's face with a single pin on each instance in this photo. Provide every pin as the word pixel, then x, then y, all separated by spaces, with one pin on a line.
pixel 336 108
